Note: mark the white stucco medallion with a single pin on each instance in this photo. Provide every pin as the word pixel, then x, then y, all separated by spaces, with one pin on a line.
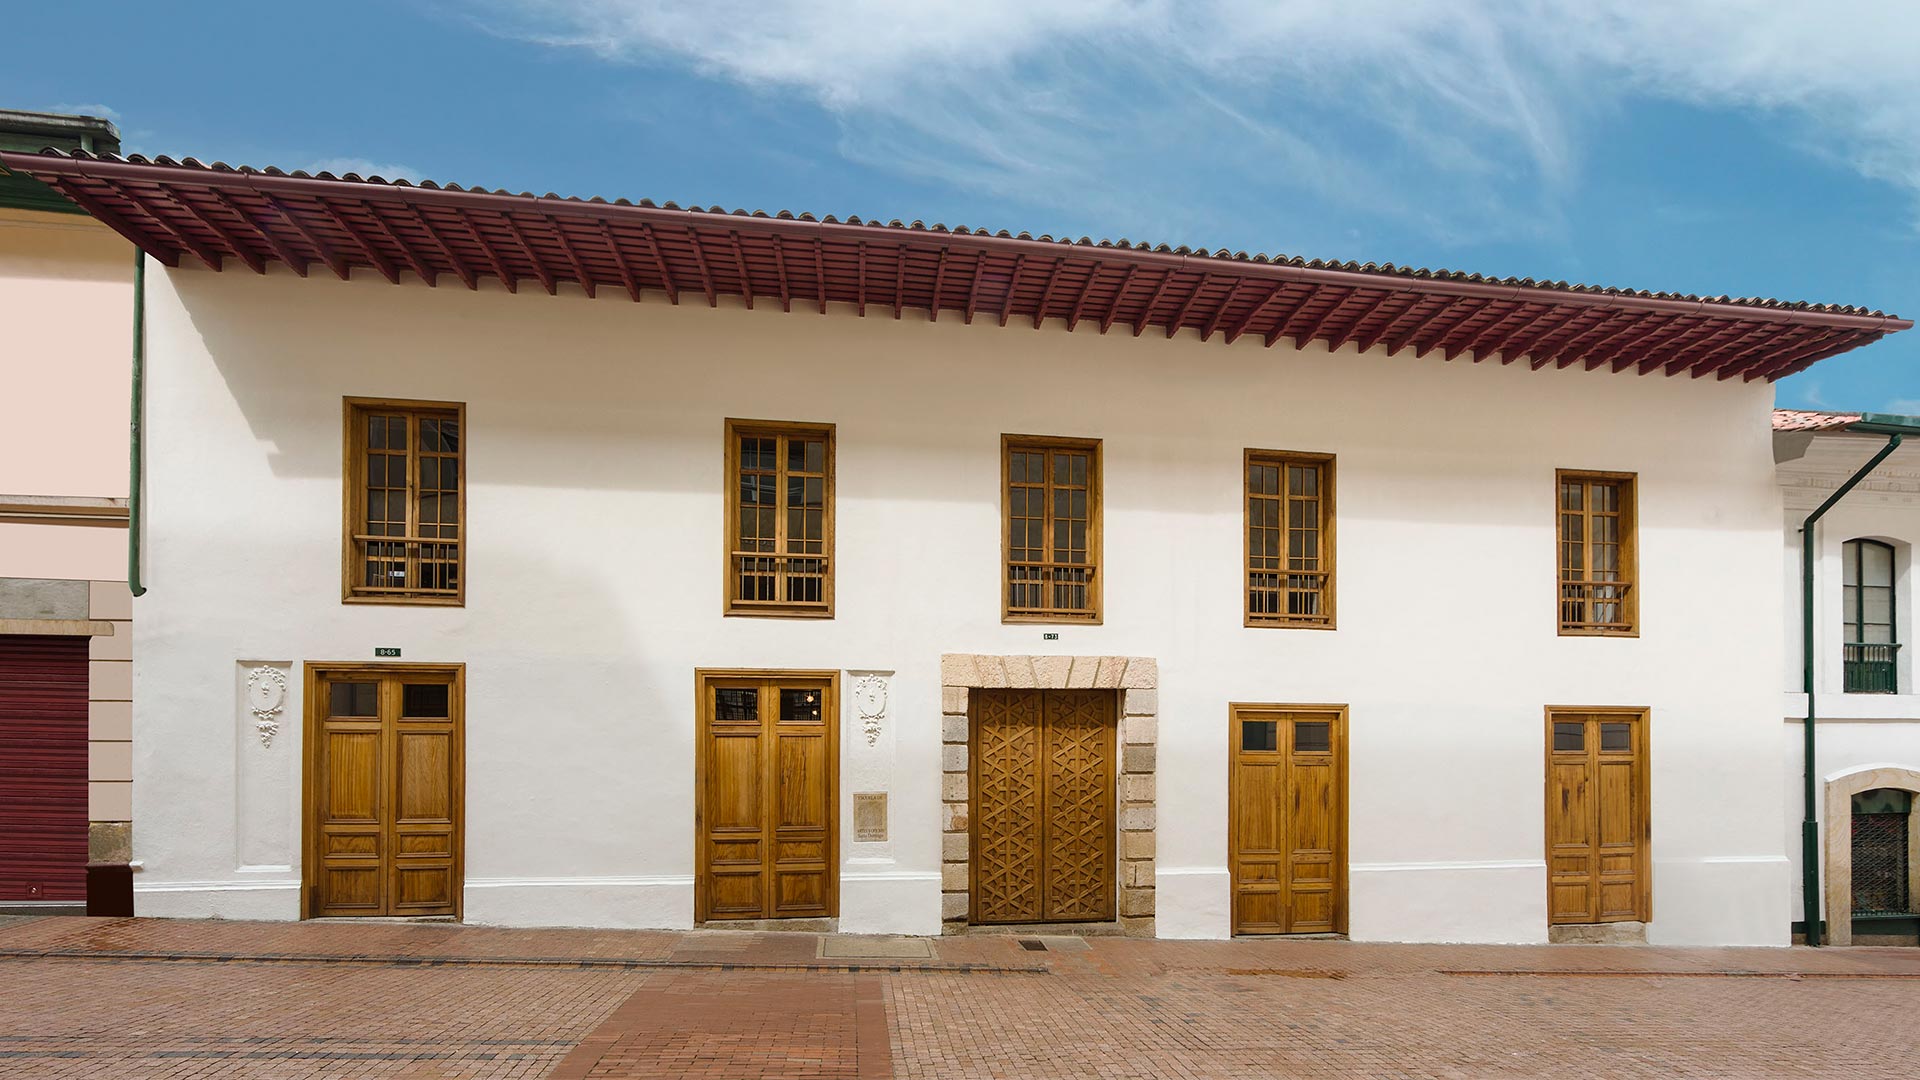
pixel 869 693
pixel 266 696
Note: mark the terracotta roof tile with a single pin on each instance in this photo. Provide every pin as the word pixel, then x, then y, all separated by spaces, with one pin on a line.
pixel 1384 270
pixel 1807 420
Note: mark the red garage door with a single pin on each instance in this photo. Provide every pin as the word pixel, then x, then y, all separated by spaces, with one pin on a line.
pixel 43 769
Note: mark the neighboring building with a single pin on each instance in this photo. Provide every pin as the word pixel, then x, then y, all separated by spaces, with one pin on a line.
pixel 1867 760
pixel 66 301
pixel 1048 592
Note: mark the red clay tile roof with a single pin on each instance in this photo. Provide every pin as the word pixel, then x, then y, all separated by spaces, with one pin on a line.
pixel 1806 420
pixel 173 209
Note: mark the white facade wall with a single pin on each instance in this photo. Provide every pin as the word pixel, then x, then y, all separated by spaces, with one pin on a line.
pixel 1855 731
pixel 595 586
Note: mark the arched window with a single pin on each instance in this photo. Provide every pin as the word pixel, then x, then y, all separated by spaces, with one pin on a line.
pixel 1867 585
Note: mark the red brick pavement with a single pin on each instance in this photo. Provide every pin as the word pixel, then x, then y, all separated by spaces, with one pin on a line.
pixel 178 999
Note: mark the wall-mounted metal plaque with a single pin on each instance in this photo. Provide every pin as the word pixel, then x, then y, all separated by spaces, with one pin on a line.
pixel 870 816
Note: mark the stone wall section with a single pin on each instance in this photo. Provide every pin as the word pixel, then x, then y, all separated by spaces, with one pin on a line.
pixel 1137 680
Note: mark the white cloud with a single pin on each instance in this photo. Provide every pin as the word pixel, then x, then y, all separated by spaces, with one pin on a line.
pixel 340 166
pixel 1481 104
pixel 102 111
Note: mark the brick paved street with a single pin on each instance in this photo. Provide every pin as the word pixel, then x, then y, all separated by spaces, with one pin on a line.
pixel 153 998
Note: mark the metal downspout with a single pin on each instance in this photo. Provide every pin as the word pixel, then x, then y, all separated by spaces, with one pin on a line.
pixel 1809 823
pixel 135 451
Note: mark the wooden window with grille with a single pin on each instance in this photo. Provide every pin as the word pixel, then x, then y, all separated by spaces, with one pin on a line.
pixel 1289 539
pixel 1051 528
pixel 779 542
pixel 1599 553
pixel 406 502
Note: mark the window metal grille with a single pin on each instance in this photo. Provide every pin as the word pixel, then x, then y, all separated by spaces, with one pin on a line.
pixel 1880 867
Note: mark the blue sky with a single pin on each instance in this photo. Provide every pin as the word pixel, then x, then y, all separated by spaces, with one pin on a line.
pixel 1744 147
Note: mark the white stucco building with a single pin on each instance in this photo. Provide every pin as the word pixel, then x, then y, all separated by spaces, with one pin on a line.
pixel 1162 591
pixel 1867 730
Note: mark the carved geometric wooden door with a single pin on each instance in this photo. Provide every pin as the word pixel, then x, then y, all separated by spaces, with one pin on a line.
pixel 1287 828
pixel 1597 820
pixel 384 792
pixel 768 798
pixel 1042 814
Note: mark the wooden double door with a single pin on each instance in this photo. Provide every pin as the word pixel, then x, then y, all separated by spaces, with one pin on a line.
pixel 1288 830
pixel 1598 825
pixel 385 778
pixel 1042 821
pixel 767 804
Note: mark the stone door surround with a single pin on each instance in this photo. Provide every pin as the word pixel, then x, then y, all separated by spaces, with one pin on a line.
pixel 1841 789
pixel 1137 679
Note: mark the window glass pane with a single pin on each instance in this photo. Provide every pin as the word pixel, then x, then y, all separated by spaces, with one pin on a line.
pixel 1570 496
pixel 1616 738
pixel 1569 735
pixel 800 706
pixel 355 699
pixel 1259 734
pixel 1876 605
pixel 1312 736
pixel 1876 564
pixel 735 704
pixel 1850 563
pixel 424 699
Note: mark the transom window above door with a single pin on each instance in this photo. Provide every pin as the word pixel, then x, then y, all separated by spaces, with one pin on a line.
pixel 405 502
pixel 1050 526
pixel 779 540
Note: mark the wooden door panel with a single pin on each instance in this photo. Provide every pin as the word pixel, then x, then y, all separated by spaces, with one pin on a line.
pixel 1596 822
pixel 351 780
pixel 1006 813
pixel 768 798
pixel 1287 828
pixel 1076 811
pixel 733 784
pixel 384 798
pixel 425 777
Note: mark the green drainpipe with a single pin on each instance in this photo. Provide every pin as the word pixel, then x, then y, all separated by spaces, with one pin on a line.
pixel 135 452
pixel 1895 428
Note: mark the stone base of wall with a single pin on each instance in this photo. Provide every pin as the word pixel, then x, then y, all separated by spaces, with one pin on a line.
pixel 1137 680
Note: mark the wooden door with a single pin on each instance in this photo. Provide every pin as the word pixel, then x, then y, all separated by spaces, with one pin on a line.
pixel 1042 806
pixel 1287 834
pixel 1597 816
pixel 767 804
pixel 384 787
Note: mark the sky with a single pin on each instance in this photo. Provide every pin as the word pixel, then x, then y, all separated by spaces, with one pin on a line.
pixel 1719 147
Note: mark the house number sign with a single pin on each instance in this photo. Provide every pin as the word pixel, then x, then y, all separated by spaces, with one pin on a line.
pixel 386 650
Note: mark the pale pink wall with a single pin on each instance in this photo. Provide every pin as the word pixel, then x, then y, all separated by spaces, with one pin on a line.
pixel 66 301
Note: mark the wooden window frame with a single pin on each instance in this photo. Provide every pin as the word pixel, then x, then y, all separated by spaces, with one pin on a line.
pixel 1643 791
pixel 1095 612
pixel 775 609
pixel 353 501
pixel 1328 517
pixel 1629 552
